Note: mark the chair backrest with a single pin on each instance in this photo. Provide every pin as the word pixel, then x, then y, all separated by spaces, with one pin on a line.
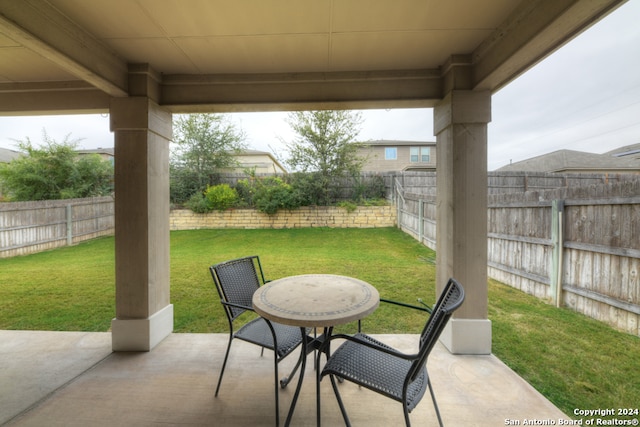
pixel 450 299
pixel 236 280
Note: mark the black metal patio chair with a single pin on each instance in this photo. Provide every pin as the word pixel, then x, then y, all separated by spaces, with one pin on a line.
pixel 236 280
pixel 372 364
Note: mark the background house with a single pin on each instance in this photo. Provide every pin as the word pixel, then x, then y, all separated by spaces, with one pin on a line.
pixel 626 152
pixel 262 161
pixel 570 161
pixel 387 156
pixel 7 155
pixel 104 153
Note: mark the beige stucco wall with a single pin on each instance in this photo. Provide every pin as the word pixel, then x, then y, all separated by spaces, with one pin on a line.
pixel 262 163
pixel 377 163
pixel 321 216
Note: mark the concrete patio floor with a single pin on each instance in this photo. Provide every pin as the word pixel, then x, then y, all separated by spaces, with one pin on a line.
pixel 73 379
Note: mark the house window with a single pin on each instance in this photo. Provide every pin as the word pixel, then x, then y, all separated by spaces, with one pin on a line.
pixel 390 153
pixel 420 154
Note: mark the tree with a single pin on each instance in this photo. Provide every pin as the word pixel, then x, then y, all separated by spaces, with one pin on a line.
pixel 203 144
pixel 55 171
pixel 325 145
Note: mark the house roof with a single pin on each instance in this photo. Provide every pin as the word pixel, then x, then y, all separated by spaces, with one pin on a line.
pixel 570 160
pixel 109 151
pixel 64 56
pixel 250 152
pixel 7 155
pixel 632 151
pixel 393 142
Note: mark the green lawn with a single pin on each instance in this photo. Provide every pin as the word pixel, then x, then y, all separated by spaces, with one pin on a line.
pixel 575 361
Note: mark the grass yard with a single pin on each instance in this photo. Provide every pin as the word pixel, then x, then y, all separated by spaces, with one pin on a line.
pixel 574 361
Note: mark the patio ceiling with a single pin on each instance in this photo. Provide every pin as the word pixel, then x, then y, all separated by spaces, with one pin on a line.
pixel 251 55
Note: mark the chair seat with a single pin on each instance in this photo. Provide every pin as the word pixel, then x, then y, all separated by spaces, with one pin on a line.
pixel 257 332
pixel 376 370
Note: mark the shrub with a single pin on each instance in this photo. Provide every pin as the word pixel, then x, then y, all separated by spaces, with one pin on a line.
pixel 313 189
pixel 371 187
pixel 246 191
pixel 184 185
pixel 269 194
pixel 348 205
pixel 198 203
pixel 273 193
pixel 221 197
pixel 374 202
pixel 55 171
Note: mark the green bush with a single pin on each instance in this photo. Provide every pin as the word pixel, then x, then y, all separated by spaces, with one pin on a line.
pixel 370 188
pixel 374 202
pixel 272 193
pixel 269 194
pixel 184 184
pixel 55 171
pixel 246 191
pixel 314 189
pixel 348 205
pixel 221 197
pixel 198 203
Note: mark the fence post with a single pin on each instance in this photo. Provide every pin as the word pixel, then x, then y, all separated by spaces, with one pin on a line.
pixel 399 191
pixel 421 220
pixel 557 239
pixel 69 226
pixel 398 209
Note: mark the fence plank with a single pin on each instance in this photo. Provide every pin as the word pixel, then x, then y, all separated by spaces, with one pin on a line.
pixel 601 249
pixel 28 227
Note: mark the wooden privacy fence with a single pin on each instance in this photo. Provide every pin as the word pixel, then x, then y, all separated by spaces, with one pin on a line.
pixel 572 246
pixel 414 194
pixel 578 247
pixel 520 182
pixel 424 183
pixel 27 227
pixel 416 215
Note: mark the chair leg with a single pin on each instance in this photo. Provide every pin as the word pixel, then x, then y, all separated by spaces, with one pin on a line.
pixel 406 414
pixel 318 411
pixel 275 370
pixel 339 399
pixel 435 404
pixel 224 364
pixel 286 380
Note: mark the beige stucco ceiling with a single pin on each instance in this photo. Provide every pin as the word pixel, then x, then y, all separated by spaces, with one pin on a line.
pixel 74 55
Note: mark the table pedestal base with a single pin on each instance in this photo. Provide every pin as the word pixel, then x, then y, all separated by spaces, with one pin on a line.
pixel 309 345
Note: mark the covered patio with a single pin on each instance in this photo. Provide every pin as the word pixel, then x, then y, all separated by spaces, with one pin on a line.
pixel 74 379
pixel 140 61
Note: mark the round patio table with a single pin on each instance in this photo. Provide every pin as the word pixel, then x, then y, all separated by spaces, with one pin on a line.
pixel 316 301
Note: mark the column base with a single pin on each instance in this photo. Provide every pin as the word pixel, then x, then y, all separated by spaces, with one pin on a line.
pixel 141 334
pixel 467 336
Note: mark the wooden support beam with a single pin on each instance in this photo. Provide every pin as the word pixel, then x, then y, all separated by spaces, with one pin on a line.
pixel 301 91
pixel 534 30
pixel 38 26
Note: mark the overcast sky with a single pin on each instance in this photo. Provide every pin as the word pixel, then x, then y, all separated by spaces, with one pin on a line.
pixel 585 97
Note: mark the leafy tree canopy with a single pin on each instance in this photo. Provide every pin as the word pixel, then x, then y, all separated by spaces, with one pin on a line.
pixel 326 147
pixel 203 144
pixel 325 142
pixel 55 171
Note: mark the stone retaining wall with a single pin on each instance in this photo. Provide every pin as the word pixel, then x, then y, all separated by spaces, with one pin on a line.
pixel 319 216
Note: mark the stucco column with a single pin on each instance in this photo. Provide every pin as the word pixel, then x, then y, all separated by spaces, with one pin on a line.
pixel 144 316
pixel 460 125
